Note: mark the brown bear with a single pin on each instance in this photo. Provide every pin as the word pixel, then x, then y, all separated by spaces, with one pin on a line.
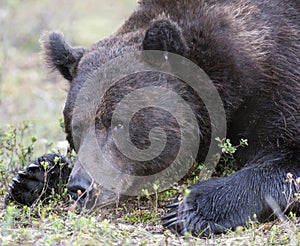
pixel 251 52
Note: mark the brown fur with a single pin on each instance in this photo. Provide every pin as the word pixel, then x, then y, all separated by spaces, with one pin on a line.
pixel 251 52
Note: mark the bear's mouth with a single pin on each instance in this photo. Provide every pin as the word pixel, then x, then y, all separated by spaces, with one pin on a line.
pixel 94 196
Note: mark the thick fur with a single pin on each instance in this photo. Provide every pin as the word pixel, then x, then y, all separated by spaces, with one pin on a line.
pixel 60 55
pixel 251 52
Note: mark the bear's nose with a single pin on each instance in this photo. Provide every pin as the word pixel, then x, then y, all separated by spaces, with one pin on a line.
pixel 79 183
pixel 79 187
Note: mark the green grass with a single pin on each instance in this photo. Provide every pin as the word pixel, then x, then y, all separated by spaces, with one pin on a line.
pixel 134 222
pixel 29 93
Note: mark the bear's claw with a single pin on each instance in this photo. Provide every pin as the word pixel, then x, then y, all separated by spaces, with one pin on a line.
pixel 172 221
pixel 30 183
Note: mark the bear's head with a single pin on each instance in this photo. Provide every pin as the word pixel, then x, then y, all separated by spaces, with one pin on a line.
pixel 148 127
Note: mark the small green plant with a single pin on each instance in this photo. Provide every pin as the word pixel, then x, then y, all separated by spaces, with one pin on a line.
pixel 227 147
pixel 15 150
pixel 153 198
pixel 199 173
pixel 293 216
pixel 141 216
pixel 10 216
pixel 45 165
pixel 146 193
pixel 186 192
pixel 227 158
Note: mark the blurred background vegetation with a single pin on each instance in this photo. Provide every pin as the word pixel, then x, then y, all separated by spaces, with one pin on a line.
pixel 28 90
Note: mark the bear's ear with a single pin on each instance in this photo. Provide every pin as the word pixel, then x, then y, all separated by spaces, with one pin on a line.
pixel 58 54
pixel 165 35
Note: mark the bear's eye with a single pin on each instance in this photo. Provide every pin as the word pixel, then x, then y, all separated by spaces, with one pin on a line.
pixel 118 126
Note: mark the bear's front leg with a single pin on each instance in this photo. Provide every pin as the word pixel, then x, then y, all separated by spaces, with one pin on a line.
pixel 39 179
pixel 216 205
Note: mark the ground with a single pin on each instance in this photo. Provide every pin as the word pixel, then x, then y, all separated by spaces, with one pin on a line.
pixel 27 89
